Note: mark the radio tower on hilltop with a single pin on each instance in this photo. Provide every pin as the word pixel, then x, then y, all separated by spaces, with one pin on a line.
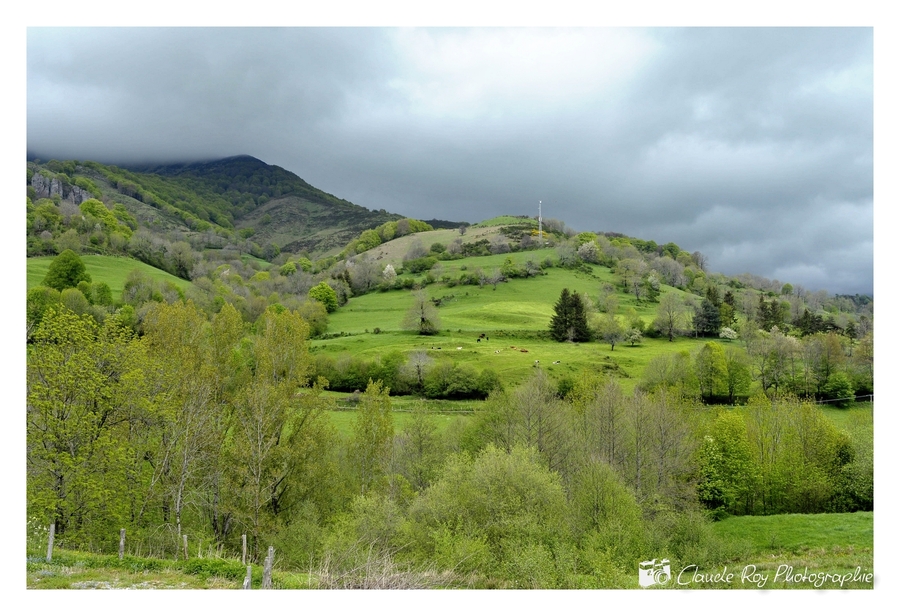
pixel 540 225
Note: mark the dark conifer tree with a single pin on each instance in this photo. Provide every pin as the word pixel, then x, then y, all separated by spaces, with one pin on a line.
pixel 569 323
pixel 707 319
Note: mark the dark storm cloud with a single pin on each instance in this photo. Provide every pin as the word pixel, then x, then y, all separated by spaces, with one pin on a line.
pixel 753 146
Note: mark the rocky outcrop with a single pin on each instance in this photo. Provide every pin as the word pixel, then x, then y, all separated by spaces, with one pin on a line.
pixel 45 188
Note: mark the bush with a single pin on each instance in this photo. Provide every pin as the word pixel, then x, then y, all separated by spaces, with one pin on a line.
pixel 417 266
pixel 207 568
pixel 838 390
pixel 66 271
pixel 325 294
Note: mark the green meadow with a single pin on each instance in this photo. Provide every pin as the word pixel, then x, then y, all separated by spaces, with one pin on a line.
pixel 513 315
pixel 113 271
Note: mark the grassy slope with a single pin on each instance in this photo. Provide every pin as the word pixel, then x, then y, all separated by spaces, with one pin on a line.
pixel 111 270
pixel 393 252
pixel 510 315
pixel 813 544
pixel 797 533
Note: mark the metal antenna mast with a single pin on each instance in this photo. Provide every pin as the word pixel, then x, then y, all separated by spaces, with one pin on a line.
pixel 540 225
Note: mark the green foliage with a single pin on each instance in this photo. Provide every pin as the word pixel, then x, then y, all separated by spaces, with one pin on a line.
pixel 604 507
pixel 38 300
pixel 711 370
pixel 707 319
pixel 323 293
pixel 74 300
pixel 729 473
pixel 422 316
pixel 608 329
pixel 417 266
pixel 66 271
pixel 504 500
pixel 801 455
pixel 838 390
pixel 85 389
pixel 208 427
pixel 288 269
pixel 569 322
pixel 373 432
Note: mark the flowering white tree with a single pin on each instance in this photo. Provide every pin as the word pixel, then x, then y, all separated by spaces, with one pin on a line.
pixel 728 333
pixel 589 252
pixel 389 274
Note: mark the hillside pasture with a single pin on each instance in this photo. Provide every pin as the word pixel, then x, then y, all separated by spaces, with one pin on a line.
pixel 393 251
pixel 514 316
pixel 113 271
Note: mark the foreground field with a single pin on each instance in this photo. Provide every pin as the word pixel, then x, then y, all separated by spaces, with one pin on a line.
pixel 834 550
pixel 825 551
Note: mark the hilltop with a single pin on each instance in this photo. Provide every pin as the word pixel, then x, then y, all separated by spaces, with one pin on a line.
pixel 238 202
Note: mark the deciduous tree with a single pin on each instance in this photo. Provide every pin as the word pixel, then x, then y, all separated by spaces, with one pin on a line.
pixel 671 315
pixel 373 433
pixel 66 271
pixel 422 317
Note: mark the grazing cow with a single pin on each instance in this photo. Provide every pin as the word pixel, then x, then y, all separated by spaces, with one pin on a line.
pixel 459 348
pixel 523 350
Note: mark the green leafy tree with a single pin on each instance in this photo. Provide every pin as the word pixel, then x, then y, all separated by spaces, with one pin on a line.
pixel 604 509
pixel 671 315
pixel 325 294
pixel 633 336
pixel 260 459
pixel 610 330
pixel 839 390
pixel 422 316
pixel 74 300
pixel 493 507
pixel 419 450
pixel 569 322
pixel 737 373
pixel 176 335
pixel 288 269
pixel 373 433
pixel 86 400
pixel 101 294
pixel 38 300
pixel 728 472
pixel 66 271
pixel 711 370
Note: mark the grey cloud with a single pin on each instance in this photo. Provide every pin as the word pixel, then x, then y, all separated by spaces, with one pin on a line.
pixel 753 146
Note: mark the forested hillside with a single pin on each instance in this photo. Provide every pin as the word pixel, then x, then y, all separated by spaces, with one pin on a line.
pixel 573 403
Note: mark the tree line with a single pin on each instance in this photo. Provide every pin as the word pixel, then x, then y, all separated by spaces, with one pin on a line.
pixel 212 428
pixel 830 364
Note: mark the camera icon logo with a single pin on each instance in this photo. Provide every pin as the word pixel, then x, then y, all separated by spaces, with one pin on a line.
pixel 653 572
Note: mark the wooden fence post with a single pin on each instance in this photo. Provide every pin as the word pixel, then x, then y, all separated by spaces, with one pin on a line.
pixel 244 549
pixel 121 543
pixel 50 541
pixel 267 568
pixel 185 546
pixel 246 585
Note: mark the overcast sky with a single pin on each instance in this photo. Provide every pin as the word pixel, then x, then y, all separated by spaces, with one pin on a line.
pixel 753 146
